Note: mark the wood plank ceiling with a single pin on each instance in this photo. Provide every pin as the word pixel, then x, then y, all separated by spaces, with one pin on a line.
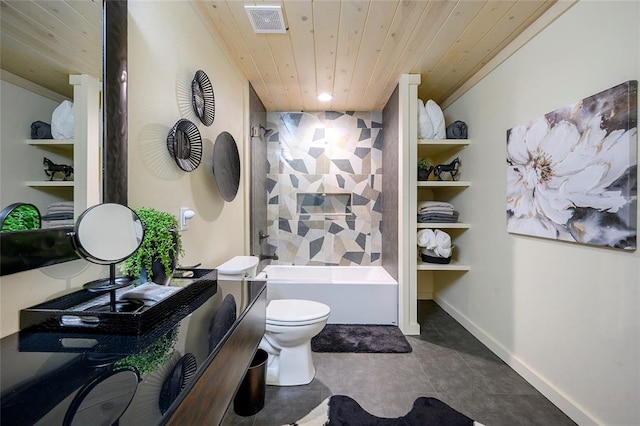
pixel 44 41
pixel 353 49
pixel 357 49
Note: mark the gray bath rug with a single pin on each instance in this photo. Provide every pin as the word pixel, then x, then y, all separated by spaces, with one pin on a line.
pixel 341 410
pixel 359 338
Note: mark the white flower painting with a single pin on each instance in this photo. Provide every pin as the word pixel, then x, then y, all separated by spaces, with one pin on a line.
pixel 572 173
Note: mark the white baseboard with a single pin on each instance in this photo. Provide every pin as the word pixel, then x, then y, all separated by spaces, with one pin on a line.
pixel 543 385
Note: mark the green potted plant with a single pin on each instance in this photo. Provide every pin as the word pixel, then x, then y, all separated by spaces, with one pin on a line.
pixel 424 169
pixel 156 258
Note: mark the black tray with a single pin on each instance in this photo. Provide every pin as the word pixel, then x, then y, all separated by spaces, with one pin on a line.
pixel 56 316
pixel 435 259
pixel 65 341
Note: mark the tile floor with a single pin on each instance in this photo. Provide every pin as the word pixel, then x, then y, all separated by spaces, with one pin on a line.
pixel 447 363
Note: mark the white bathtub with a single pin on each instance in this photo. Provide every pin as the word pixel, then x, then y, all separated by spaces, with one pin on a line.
pixel 355 294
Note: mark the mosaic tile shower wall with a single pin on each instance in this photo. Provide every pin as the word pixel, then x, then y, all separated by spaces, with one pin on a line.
pixel 324 187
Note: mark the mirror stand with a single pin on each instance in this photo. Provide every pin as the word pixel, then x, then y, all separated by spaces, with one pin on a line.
pixel 111 284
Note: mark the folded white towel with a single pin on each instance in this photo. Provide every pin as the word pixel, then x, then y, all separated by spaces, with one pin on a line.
pixel 61 204
pixel 60 210
pixel 62 121
pixel 436 210
pixel 432 204
pixel 150 291
pixel 52 224
pixel 437 119
pixel 425 127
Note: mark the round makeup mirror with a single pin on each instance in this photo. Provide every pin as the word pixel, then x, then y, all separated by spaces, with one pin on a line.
pixel 107 234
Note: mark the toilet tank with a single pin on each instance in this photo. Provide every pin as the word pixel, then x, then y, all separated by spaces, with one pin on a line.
pixel 238 268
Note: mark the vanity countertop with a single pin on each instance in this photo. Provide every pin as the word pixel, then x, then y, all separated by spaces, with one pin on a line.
pixel 58 378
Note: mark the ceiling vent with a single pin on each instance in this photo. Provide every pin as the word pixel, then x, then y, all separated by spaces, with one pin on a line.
pixel 266 19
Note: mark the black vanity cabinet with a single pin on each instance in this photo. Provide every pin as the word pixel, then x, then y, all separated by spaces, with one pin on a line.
pixel 182 371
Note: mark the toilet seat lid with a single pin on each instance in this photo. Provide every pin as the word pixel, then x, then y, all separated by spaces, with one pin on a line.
pixel 295 311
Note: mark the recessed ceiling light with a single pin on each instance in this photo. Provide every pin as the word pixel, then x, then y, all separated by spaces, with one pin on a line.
pixel 324 97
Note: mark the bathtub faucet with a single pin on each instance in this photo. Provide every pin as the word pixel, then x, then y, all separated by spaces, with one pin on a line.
pixel 266 256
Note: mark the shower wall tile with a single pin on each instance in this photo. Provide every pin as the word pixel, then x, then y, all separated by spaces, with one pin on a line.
pixel 325 152
pixel 301 241
pixel 376 151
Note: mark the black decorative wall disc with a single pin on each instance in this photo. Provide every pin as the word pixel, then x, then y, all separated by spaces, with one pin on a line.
pixel 202 98
pixel 185 145
pixel 226 166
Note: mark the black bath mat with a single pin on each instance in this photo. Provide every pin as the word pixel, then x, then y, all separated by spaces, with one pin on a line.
pixel 341 410
pixel 360 339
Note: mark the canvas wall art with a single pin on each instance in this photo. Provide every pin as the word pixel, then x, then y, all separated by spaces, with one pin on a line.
pixel 572 173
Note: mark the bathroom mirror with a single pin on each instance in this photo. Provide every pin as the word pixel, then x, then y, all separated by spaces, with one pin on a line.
pixel 25 250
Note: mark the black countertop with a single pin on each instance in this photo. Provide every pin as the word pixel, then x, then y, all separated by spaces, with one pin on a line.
pixel 56 378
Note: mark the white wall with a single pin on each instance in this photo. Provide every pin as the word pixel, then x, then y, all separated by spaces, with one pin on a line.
pixel 167 44
pixel 566 316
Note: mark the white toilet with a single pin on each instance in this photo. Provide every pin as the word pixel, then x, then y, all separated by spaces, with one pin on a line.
pixel 291 323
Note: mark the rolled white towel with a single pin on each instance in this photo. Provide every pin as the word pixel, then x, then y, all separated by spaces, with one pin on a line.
pixel 443 243
pixel 426 238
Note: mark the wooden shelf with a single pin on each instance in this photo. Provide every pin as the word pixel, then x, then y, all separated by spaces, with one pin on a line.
pixel 439 146
pixel 51 183
pixel 424 266
pixel 443 225
pixel 50 142
pixel 443 184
